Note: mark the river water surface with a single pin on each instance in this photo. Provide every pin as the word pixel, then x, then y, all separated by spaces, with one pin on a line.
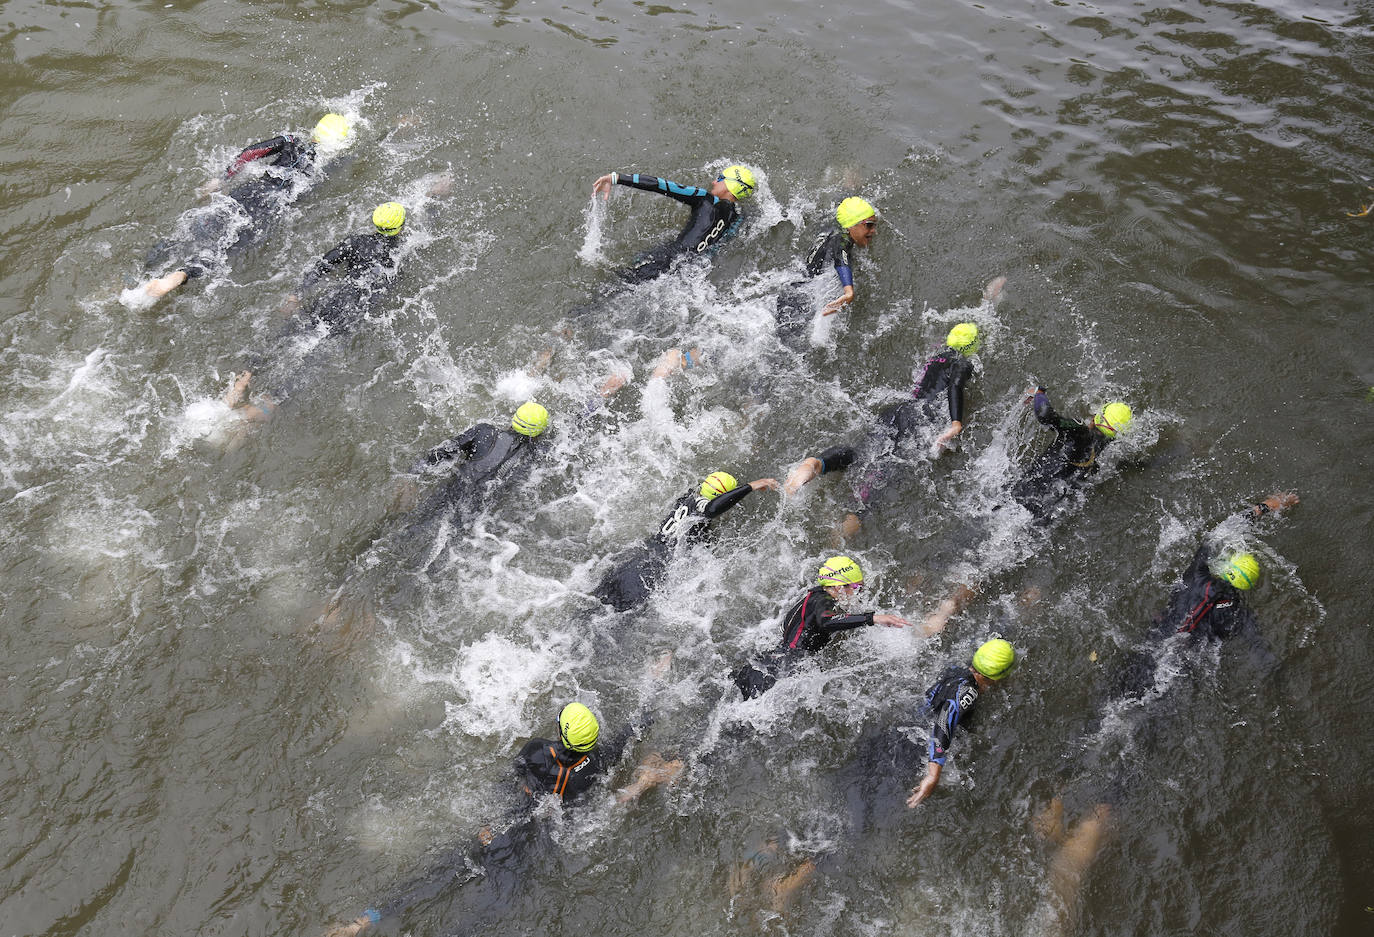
pixel 189 746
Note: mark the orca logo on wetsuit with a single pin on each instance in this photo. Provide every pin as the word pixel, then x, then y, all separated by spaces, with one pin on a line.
pixel 673 524
pixel 706 241
pixel 967 696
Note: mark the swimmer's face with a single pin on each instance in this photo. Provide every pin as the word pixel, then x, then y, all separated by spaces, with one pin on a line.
pixel 864 231
pixel 720 190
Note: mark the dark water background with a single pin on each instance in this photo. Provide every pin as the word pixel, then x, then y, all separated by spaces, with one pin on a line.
pixel 1166 188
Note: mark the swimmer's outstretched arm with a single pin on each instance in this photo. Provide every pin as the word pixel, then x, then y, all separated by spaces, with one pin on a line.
pixel 651 772
pixel 952 605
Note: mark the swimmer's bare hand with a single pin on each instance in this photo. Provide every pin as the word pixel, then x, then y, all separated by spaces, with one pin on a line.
pixel 765 484
pixel 1280 500
pixel 349 929
pixel 835 305
pixel 890 621
pixel 603 186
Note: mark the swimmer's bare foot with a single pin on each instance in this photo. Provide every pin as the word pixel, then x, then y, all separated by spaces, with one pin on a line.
pixel 441 186
pixel 994 289
pixel 850 526
pixel 612 384
pixel 674 360
pixel 541 364
pixel 652 771
pixel 237 394
pixel 936 621
pixel 660 667
pixel 164 285
pixel 783 888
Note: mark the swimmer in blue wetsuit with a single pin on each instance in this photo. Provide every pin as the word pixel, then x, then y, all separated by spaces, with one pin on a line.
pixel 238 220
pixel 856 224
pixel 714 219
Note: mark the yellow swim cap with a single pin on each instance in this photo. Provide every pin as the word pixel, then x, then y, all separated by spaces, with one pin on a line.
pixel 963 337
pixel 839 571
pixel 739 180
pixel 718 483
pixel 331 131
pixel 1112 419
pixel 578 727
pixel 388 217
pixel 1242 570
pixel 853 210
pixel 994 659
pixel 530 420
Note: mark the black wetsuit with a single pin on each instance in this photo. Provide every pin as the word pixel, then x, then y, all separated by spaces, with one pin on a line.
pixel 636 574
pixel 543 767
pixel 945 376
pixel 494 460
pixel 795 309
pixel 807 627
pixel 368 263
pixel 1064 465
pixel 950 703
pixel 215 231
pixel 713 220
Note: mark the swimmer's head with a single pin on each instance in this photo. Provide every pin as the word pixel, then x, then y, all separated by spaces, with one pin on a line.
pixel 331 132
pixel 839 571
pixel 718 483
pixel 1112 419
pixel 388 217
pixel 857 218
pixel 578 728
pixel 739 180
pixel 530 420
pixel 964 338
pixel 994 659
pixel 1242 570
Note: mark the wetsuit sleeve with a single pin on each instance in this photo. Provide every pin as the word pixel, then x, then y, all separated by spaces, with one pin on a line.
pixel 340 255
pixel 837 458
pixel 1045 413
pixel 962 373
pixel 686 194
pixel 257 151
pixel 828 622
pixel 843 264
pixel 942 730
pixel 463 443
pixel 722 503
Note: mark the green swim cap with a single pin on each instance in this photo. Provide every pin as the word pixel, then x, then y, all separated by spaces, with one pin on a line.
pixel 994 659
pixel 331 131
pixel 739 180
pixel 578 728
pixel 839 571
pixel 718 483
pixel 1112 419
pixel 530 420
pixel 963 337
pixel 853 210
pixel 1242 570
pixel 388 217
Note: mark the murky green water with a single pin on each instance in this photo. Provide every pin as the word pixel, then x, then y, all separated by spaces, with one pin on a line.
pixel 189 749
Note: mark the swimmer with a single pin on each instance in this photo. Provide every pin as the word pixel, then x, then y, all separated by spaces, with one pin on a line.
pixel 226 227
pixel 856 224
pixel 951 702
pixel 810 624
pixel 637 574
pixel 945 376
pixel 1071 458
pixel 565 767
pixel 715 215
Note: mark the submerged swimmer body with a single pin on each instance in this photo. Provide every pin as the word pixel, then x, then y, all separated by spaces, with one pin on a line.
pixel 811 623
pixel 244 215
pixel 566 768
pixel 945 376
pixel 636 575
pixel 856 223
